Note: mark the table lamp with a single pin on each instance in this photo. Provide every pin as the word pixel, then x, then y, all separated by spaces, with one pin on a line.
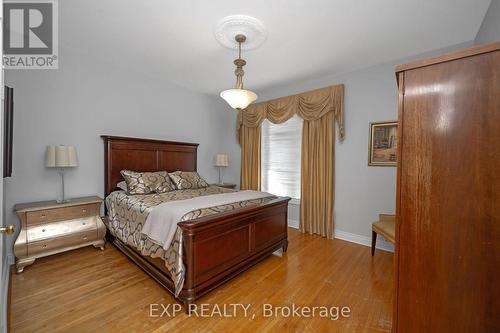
pixel 61 157
pixel 221 161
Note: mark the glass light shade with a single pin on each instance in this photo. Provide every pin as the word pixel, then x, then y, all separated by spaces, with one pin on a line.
pixel 238 98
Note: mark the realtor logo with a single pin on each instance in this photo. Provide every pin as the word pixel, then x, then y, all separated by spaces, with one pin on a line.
pixel 30 34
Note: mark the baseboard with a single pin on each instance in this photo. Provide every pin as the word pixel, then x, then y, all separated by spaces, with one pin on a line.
pixel 363 240
pixel 4 294
pixel 354 238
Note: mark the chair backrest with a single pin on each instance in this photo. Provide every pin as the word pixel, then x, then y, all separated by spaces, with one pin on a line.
pixel 387 217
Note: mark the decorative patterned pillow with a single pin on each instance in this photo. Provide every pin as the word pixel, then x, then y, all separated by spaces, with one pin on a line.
pixel 122 186
pixel 187 180
pixel 147 182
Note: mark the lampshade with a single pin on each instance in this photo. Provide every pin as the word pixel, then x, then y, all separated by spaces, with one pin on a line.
pixel 221 160
pixel 238 98
pixel 61 157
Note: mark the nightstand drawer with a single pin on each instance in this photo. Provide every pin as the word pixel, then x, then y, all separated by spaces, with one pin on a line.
pixel 48 245
pixel 58 229
pixel 60 214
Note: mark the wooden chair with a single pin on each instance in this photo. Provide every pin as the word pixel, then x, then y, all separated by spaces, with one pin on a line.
pixel 386 226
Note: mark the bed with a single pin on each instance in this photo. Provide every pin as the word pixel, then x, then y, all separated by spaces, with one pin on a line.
pixel 214 245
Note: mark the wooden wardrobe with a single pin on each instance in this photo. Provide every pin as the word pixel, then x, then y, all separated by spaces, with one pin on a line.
pixel 448 194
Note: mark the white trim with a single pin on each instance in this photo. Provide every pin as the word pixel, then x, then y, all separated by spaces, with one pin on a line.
pixel 4 289
pixel 10 259
pixel 382 244
pixel 294 201
pixel 363 240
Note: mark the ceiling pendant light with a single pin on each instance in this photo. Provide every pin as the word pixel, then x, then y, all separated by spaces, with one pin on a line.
pixel 239 98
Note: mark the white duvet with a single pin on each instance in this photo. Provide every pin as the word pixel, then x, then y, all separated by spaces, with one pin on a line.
pixel 161 223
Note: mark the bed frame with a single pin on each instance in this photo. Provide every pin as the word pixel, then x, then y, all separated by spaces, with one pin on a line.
pixel 216 248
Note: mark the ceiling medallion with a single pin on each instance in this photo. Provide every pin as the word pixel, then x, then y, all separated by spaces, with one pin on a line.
pixel 229 27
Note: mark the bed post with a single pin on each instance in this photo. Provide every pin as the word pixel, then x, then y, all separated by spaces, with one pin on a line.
pixel 285 246
pixel 187 307
pixel 106 168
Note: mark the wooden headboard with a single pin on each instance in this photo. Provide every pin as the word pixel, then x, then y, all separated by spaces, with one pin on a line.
pixel 136 154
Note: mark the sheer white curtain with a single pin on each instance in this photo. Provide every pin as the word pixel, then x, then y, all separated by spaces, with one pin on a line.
pixel 280 163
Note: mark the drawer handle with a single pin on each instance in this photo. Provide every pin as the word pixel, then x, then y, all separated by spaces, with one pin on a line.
pixel 84 237
pixel 44 246
pixel 43 216
pixel 84 223
pixel 43 230
pixel 84 210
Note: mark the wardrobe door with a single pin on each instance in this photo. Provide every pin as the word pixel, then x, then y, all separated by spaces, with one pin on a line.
pixel 449 199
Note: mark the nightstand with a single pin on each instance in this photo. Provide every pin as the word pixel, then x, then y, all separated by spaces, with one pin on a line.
pixel 48 228
pixel 226 185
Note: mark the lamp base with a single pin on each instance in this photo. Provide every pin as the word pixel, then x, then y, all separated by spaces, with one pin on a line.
pixel 63 200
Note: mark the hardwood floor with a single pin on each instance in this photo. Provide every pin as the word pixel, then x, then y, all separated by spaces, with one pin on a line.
pixel 87 290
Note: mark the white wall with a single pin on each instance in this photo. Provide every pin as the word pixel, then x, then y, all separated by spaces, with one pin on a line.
pixel 490 29
pixel 86 98
pixel 361 192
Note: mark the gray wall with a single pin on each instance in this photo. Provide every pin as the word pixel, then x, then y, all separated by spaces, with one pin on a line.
pixel 490 29
pixel 361 192
pixel 85 98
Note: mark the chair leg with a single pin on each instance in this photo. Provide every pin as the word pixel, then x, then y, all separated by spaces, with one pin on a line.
pixel 374 241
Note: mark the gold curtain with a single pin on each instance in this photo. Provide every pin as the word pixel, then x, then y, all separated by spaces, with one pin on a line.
pixel 317 186
pixel 320 109
pixel 250 158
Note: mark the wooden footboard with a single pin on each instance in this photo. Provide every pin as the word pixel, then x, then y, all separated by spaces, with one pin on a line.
pixel 217 249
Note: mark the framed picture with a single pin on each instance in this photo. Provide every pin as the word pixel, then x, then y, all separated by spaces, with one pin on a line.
pixel 382 148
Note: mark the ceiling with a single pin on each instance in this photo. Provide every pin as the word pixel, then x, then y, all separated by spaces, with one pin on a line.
pixel 174 40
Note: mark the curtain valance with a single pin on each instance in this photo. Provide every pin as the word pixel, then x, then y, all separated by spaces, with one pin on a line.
pixel 310 105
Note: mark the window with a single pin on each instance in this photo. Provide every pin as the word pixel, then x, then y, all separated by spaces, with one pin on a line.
pixel 281 157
